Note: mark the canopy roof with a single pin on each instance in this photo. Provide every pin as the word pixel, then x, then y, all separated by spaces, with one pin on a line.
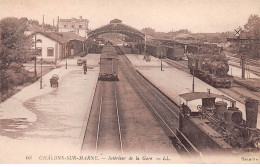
pixel 203 95
pixel 116 26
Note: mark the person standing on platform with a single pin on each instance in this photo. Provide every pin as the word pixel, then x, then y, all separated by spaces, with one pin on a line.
pixel 85 68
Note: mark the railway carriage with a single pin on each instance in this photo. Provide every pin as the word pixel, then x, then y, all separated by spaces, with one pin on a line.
pixel 175 52
pixel 161 51
pixel 172 52
pixel 109 63
pixel 151 49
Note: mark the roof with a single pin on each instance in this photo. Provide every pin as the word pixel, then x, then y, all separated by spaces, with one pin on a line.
pixel 53 35
pixel 72 36
pixel 115 21
pixel 116 28
pixel 73 19
pixel 202 95
pixel 62 37
pixel 185 36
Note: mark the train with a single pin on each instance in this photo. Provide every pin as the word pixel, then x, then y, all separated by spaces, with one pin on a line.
pixel 212 69
pixel 109 63
pixel 175 52
pixel 213 127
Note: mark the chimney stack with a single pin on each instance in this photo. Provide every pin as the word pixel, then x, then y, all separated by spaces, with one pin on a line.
pixel 58 21
pixel 43 24
pixel 251 112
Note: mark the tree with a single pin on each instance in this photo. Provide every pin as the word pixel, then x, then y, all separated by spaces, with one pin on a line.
pixel 149 31
pixel 48 27
pixel 252 27
pixel 33 22
pixel 15 49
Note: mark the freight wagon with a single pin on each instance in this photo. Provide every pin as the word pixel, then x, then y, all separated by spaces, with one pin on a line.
pixel 175 52
pixel 172 52
pixel 109 63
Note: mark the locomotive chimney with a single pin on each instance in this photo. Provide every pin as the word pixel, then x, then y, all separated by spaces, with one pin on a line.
pixel 251 112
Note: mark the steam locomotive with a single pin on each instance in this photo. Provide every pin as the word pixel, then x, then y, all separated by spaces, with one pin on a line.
pixel 215 127
pixel 211 68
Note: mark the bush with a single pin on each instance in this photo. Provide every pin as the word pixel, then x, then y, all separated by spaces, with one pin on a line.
pixel 8 94
pixel 15 78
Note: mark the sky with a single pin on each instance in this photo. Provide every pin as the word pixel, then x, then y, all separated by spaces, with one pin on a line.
pixel 162 15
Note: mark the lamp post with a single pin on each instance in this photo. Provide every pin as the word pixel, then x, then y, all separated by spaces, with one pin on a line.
pixel 41 75
pixel 144 44
pixel 193 85
pixel 66 62
pixel 161 60
pixel 35 58
pixel 161 63
pixel 242 60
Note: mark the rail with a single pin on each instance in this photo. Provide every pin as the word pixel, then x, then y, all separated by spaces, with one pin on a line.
pixel 155 111
pixel 99 119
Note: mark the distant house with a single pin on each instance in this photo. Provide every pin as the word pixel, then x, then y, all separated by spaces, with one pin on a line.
pixel 185 37
pixel 53 46
pixel 76 26
pixel 115 21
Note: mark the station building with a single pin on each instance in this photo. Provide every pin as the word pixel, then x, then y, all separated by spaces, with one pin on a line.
pixel 53 46
pixel 76 26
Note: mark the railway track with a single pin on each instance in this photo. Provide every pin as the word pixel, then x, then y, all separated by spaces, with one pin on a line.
pixel 104 131
pixel 165 110
pixel 251 65
pixel 177 64
pixel 248 61
pixel 107 131
pixel 233 91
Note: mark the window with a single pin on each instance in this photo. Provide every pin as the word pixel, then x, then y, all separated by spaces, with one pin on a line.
pixel 72 26
pixel 80 26
pixel 50 52
pixel 39 51
pixel 38 41
pixel 65 26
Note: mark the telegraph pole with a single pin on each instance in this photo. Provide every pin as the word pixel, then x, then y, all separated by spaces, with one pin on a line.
pixel 240 41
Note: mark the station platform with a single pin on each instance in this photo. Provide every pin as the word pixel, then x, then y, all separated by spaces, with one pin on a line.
pixel 253 84
pixel 174 82
pixel 51 120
